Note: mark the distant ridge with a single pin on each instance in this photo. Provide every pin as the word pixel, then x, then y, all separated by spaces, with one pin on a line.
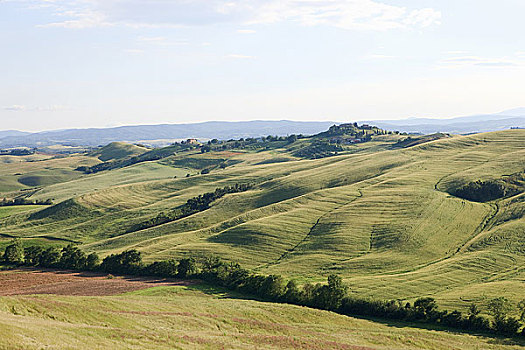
pixel 243 129
pixel 459 125
pixel 12 133
pixel 205 130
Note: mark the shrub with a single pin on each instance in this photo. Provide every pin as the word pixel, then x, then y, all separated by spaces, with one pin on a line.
pixel 14 253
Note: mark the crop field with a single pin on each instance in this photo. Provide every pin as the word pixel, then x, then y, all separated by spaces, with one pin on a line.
pixel 27 282
pixel 382 217
pixel 193 316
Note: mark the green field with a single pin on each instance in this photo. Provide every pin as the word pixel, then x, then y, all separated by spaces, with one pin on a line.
pixel 380 216
pixel 201 317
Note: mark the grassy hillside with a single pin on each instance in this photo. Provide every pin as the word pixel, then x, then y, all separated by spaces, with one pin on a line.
pixel 118 150
pixel 36 171
pixel 202 317
pixel 379 214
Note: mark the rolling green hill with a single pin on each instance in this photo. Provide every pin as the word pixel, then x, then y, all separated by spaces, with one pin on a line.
pixel 380 215
pixel 118 150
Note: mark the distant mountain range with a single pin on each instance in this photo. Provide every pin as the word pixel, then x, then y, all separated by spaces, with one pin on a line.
pixel 12 133
pixel 206 130
pixel 236 130
pixel 459 125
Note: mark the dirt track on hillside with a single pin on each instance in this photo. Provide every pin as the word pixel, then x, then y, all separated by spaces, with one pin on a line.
pixel 43 281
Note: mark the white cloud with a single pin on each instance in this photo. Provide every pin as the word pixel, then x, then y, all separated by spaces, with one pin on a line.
pixel 80 19
pixel 463 61
pixel 52 108
pixel 457 52
pixel 346 14
pixel 134 51
pixel 379 56
pixel 240 57
pixel 246 31
pixel 154 39
pixel 161 41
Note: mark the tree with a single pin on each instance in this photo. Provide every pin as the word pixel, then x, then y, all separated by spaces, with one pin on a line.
pixel 32 255
pixel 165 268
pixel 292 138
pixel 272 287
pixel 72 258
pixel 425 307
pixel 186 268
pixel 49 257
pixel 92 261
pixel 336 290
pixel 293 293
pixel 521 308
pixel 499 307
pixel 473 310
pixel 14 253
pixel 129 261
pixel 330 296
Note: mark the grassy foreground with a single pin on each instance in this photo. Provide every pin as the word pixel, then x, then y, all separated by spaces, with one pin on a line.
pixel 201 317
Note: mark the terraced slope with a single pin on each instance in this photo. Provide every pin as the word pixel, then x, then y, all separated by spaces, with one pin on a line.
pixel 384 220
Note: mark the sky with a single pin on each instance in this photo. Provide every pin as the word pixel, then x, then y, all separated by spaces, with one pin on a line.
pixel 100 63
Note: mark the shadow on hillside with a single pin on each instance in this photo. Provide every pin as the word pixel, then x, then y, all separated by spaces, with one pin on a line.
pixel 494 339
pixel 223 293
pixel 218 292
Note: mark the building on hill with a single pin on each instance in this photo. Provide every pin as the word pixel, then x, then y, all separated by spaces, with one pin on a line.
pixel 192 141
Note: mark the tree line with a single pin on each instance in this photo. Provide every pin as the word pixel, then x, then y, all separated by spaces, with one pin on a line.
pixel 332 296
pixel 192 206
pixel 24 201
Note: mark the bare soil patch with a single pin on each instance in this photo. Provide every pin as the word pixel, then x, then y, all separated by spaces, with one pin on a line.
pixel 44 281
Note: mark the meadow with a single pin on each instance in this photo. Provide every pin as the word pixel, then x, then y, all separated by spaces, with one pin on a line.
pixel 379 215
pixel 200 316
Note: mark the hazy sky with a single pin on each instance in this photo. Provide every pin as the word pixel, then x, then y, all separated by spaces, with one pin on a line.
pixel 83 63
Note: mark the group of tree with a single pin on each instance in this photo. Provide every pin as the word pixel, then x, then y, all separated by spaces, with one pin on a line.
pixel 152 155
pixel 250 143
pixel 319 149
pixel 332 296
pixel 117 164
pixel 69 257
pixel 354 130
pixel 192 206
pixel 484 191
pixel 17 152
pixel 6 202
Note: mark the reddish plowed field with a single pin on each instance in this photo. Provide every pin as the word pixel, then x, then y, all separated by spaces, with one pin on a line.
pixel 23 282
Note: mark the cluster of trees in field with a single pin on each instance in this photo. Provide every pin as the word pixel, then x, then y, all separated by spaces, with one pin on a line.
pixel 17 152
pixel 6 202
pixel 332 296
pixel 69 257
pixel 484 191
pixel 319 149
pixel 354 130
pixel 116 164
pixel 155 154
pixel 481 191
pixel 192 206
pixel 250 143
